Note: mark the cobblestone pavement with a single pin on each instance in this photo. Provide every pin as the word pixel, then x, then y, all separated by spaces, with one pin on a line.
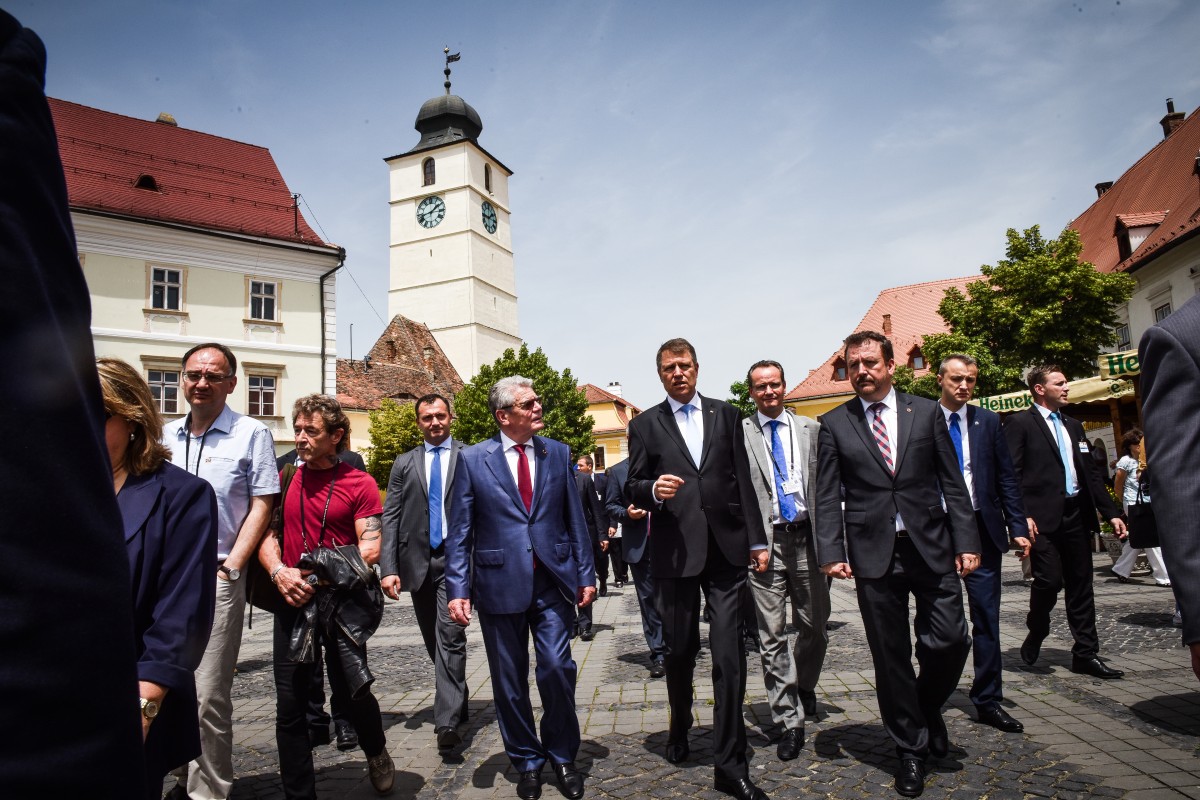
pixel 1134 738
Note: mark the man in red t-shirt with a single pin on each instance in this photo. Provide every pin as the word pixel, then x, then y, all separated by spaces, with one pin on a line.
pixel 326 503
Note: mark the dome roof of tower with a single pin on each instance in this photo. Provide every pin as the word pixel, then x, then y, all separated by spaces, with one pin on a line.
pixel 446 118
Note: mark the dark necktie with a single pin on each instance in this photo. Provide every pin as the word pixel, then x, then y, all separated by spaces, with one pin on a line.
pixel 881 435
pixel 787 503
pixel 435 499
pixel 524 484
pixel 956 437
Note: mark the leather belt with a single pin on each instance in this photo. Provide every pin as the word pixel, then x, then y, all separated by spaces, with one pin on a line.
pixel 791 527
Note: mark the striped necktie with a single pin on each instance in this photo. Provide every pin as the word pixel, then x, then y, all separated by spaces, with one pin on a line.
pixel 881 436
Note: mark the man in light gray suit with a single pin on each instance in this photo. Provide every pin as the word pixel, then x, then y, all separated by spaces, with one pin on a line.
pixel 414 558
pixel 782 450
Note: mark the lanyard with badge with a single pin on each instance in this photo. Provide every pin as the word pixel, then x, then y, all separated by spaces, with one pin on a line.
pixel 187 447
pixel 324 514
pixel 790 483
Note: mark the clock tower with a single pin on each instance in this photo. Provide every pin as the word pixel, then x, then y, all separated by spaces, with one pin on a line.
pixel 451 255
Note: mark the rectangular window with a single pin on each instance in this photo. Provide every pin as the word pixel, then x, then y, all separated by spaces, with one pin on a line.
pixel 598 459
pixel 262 300
pixel 261 399
pixel 1123 337
pixel 166 288
pixel 1162 312
pixel 164 388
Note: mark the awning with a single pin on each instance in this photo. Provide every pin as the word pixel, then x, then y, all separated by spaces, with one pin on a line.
pixel 1085 390
pixel 1119 365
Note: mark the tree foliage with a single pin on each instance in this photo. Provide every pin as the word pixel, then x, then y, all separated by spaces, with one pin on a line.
pixel 1039 305
pixel 564 407
pixel 393 431
pixel 739 398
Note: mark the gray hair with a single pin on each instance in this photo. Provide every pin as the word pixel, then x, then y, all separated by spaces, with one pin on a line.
pixel 504 392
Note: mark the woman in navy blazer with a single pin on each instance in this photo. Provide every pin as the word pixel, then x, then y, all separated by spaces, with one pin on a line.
pixel 170 520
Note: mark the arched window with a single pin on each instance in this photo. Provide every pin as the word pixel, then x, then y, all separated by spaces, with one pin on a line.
pixel 146 182
pixel 428 170
pixel 487 177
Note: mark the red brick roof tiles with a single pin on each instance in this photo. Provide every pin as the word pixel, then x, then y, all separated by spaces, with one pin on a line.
pixel 406 363
pixel 914 315
pixel 202 180
pixel 1160 189
pixel 597 395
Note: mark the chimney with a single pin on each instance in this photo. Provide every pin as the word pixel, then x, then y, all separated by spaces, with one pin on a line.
pixel 167 119
pixel 1172 120
pixel 615 388
pixel 887 324
pixel 1103 187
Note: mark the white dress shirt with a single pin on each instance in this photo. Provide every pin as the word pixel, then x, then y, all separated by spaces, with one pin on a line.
pixel 681 420
pixel 791 458
pixel 1054 434
pixel 968 474
pixel 510 455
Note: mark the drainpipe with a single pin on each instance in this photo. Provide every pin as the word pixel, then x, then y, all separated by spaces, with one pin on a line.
pixel 321 303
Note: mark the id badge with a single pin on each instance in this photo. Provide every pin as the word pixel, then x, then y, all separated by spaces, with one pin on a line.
pixel 1083 447
pixel 791 485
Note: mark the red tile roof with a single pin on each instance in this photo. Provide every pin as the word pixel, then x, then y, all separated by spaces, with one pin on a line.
pixel 597 395
pixel 406 363
pixel 202 180
pixel 1160 189
pixel 914 315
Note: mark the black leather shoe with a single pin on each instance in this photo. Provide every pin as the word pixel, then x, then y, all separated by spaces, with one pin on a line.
pixel 347 737
pixel 808 699
pixel 939 738
pixel 1119 576
pixel 677 752
pixel 603 587
pixel 740 788
pixel 910 780
pixel 790 744
pixel 447 738
pixel 658 669
pixel 587 634
pixel 1095 667
pixel 1031 648
pixel 997 717
pixel 570 780
pixel 529 787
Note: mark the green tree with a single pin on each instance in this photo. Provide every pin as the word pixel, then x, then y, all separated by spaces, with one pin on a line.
pixel 739 398
pixel 564 407
pixel 393 431
pixel 1039 305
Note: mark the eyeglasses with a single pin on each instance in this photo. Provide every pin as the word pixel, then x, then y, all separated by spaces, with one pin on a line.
pixel 527 405
pixel 211 377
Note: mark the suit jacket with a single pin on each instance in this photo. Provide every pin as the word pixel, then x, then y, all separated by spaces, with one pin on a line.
pixel 1040 470
pixel 849 462
pixel 997 489
pixel 492 540
pixel 405 548
pixel 170 520
pixel 716 496
pixel 762 471
pixel 593 511
pixel 633 531
pixel 66 624
pixel 1170 358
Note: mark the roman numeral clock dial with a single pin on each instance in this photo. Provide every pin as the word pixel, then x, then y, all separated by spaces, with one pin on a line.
pixel 431 211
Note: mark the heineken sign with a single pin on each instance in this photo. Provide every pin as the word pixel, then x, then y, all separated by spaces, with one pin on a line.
pixel 1017 401
pixel 1119 365
pixel 1085 390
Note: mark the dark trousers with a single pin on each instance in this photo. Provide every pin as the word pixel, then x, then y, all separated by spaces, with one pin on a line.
pixel 678 603
pixel 907 700
pixel 983 597
pixel 506 640
pixel 618 560
pixel 317 718
pixel 446 643
pixel 600 558
pixel 293 685
pixel 1063 557
pixel 652 627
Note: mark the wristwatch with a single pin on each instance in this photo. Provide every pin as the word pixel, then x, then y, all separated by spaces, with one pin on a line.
pixel 149 709
pixel 230 572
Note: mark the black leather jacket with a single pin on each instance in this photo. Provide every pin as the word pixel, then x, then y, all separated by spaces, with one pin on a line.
pixel 346 611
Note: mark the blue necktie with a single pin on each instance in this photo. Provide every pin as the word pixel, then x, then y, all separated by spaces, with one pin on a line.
pixel 1063 452
pixel 691 434
pixel 956 437
pixel 787 503
pixel 435 499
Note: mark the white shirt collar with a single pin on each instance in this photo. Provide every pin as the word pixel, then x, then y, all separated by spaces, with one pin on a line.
pixel 676 405
pixel 889 402
pixel 444 445
pixel 509 444
pixel 764 420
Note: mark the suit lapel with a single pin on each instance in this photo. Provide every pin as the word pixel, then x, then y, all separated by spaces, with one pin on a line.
pixel 1044 426
pixel 498 463
pixel 709 409
pixel 758 453
pixel 455 446
pixel 541 454
pixel 804 449
pixel 137 499
pixel 667 420
pixel 904 423
pixel 418 457
pixel 862 426
pixel 975 440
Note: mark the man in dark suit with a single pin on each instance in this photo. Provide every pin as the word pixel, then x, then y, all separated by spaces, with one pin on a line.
pixel 1170 358
pixel 596 519
pixel 518 549
pixel 891 456
pixel 68 678
pixel 635 527
pixel 1063 491
pixel 982 452
pixel 687 465
pixel 414 558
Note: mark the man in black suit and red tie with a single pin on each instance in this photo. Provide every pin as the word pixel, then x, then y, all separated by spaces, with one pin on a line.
pixel 891 457
pixel 1063 491
pixel 688 467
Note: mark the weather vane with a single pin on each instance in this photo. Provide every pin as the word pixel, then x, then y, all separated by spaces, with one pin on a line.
pixel 450 59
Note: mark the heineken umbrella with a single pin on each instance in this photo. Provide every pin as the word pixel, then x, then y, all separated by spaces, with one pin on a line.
pixel 1085 390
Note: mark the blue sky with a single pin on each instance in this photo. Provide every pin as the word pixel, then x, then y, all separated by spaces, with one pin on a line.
pixel 747 175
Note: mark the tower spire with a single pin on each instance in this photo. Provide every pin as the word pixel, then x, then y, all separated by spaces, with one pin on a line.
pixel 450 59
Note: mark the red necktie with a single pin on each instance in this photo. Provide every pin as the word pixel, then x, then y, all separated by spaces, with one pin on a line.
pixel 524 484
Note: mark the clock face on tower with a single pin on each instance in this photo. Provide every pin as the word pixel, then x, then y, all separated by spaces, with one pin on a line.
pixel 489 217
pixel 430 211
